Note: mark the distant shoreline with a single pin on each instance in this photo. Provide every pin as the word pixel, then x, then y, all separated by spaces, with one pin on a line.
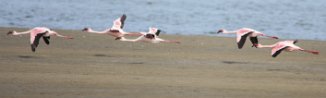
pixel 208 34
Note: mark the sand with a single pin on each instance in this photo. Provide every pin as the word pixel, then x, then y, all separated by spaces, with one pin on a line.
pixel 97 66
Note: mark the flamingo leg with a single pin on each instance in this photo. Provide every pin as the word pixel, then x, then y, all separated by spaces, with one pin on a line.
pixel 311 51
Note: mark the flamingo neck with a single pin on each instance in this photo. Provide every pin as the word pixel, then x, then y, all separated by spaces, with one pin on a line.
pixel 273 37
pixel 311 51
pixel 128 40
pixel 20 33
pixel 265 46
pixel 90 30
pixel 229 32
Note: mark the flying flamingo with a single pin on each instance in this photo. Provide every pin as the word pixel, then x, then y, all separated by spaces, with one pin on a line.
pixel 151 37
pixel 287 45
pixel 243 33
pixel 116 30
pixel 38 32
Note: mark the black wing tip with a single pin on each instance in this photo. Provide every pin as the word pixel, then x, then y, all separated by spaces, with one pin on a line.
pixel 33 47
pixel 242 41
pixel 295 41
pixel 278 52
pixel 158 32
pixel 123 17
pixel 254 41
pixel 239 45
pixel 46 40
pixel 274 56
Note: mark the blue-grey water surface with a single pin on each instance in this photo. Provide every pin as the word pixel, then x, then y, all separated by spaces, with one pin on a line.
pixel 288 19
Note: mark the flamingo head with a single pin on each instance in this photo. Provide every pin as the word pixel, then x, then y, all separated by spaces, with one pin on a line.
pixel 275 37
pixel 11 32
pixel 86 29
pixel 221 31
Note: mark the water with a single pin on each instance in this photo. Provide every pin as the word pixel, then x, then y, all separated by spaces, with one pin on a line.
pixel 289 19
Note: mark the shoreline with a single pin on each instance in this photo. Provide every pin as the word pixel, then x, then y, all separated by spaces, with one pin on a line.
pixel 177 34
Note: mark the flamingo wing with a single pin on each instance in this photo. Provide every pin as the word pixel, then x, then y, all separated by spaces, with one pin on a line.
pixel 241 40
pixel 119 23
pixel 254 40
pixel 35 41
pixel 278 49
pixel 46 40
pixel 295 41
pixel 122 20
pixel 158 32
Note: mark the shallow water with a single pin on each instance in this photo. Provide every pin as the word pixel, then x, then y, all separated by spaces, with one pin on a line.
pixel 289 19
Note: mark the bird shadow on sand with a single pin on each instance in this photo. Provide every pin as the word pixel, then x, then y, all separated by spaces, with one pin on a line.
pixel 136 63
pixel 234 62
pixel 102 55
pixel 26 57
pixel 284 70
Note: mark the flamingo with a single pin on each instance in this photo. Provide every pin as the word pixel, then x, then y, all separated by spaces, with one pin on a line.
pixel 116 30
pixel 151 37
pixel 36 33
pixel 243 33
pixel 288 45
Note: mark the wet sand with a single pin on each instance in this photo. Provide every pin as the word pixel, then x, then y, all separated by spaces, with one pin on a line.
pixel 97 66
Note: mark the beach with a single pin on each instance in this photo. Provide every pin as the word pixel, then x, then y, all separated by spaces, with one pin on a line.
pixel 97 66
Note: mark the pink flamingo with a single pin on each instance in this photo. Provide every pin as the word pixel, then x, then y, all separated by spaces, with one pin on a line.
pixel 287 45
pixel 243 33
pixel 116 30
pixel 38 32
pixel 151 37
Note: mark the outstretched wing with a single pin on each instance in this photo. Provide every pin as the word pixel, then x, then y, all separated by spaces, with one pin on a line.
pixel 295 41
pixel 46 39
pixel 241 39
pixel 254 40
pixel 278 49
pixel 119 23
pixel 122 20
pixel 36 41
pixel 158 32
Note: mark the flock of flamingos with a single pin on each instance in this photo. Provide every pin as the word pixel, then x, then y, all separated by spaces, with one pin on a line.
pixel 152 37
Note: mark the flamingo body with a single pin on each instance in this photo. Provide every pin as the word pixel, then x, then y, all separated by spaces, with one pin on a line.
pixel 244 33
pixel 116 30
pixel 36 34
pixel 288 45
pixel 151 36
